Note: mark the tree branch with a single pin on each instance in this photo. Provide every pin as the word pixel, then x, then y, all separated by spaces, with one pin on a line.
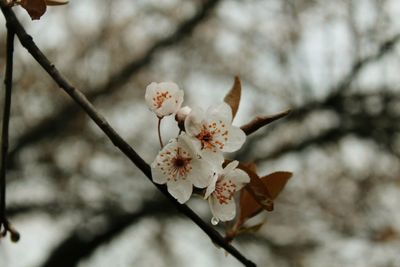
pixel 116 139
pixel 5 225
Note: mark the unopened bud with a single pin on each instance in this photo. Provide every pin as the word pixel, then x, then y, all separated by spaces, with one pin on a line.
pixel 182 113
pixel 181 116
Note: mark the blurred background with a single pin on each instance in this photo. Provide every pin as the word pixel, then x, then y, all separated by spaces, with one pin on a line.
pixel 77 201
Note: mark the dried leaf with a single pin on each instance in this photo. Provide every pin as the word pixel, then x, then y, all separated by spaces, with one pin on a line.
pixel 249 207
pixel 56 2
pixel 257 189
pixel 275 182
pixel 35 8
pixel 233 96
pixel 261 121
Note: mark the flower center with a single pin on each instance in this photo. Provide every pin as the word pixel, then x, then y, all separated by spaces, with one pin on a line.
pixel 180 162
pixel 206 138
pixel 224 191
pixel 180 166
pixel 160 97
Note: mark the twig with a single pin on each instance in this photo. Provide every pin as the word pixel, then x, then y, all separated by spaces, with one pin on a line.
pixel 5 226
pixel 117 140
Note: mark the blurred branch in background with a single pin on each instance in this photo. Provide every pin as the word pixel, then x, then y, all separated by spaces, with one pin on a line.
pixel 81 243
pixel 352 111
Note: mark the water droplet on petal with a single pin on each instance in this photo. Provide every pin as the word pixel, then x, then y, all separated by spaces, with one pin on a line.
pixel 214 221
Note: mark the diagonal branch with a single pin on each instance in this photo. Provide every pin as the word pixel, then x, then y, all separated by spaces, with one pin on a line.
pixel 57 121
pixel 116 139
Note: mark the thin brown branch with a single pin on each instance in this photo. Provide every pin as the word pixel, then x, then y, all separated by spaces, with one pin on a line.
pixel 116 139
pixel 5 225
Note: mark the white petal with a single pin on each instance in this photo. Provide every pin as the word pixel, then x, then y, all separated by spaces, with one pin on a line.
pixel 238 177
pixel 171 105
pixel 221 111
pixel 193 121
pixel 224 212
pixel 189 144
pixel 167 108
pixel 215 158
pixel 151 90
pixel 178 96
pixel 201 173
pixel 171 87
pixel 230 167
pixel 181 189
pixel 157 175
pixel 211 187
pixel 236 139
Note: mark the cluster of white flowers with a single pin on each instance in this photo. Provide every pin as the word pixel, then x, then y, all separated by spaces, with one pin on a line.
pixel 195 157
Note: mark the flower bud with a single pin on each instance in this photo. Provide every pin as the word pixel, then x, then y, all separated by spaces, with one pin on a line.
pixel 181 116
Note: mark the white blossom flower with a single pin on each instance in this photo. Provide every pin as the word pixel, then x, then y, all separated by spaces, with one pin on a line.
pixel 214 131
pixel 164 98
pixel 221 191
pixel 179 166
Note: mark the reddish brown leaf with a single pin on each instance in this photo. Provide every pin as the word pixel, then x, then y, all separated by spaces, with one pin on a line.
pixel 35 8
pixel 249 207
pixel 257 189
pixel 233 96
pixel 262 121
pixel 275 182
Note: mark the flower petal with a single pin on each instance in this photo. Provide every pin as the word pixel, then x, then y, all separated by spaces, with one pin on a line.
pixel 167 108
pixel 193 121
pixel 236 138
pixel 211 187
pixel 180 189
pixel 191 144
pixel 201 173
pixel 215 158
pixel 157 175
pixel 238 177
pixel 221 111
pixel 171 87
pixel 224 212
pixel 160 164
pixel 230 167
pixel 151 90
